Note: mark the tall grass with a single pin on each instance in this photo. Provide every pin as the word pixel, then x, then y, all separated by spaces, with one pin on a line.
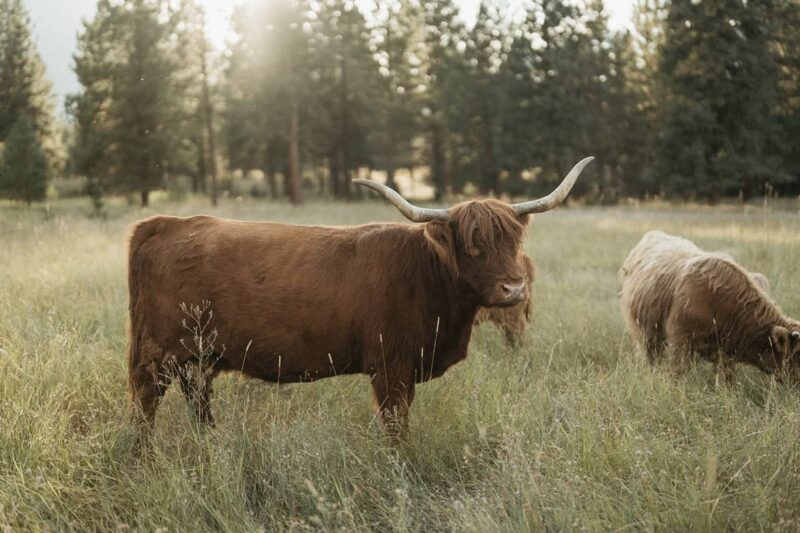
pixel 571 430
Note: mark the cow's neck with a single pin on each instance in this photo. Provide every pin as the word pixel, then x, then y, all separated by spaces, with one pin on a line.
pixel 451 307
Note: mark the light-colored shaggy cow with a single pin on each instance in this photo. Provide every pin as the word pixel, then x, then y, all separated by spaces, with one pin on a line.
pixel 677 296
pixel 513 320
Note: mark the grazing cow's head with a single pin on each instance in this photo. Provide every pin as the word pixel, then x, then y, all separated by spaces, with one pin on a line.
pixel 480 240
pixel 785 345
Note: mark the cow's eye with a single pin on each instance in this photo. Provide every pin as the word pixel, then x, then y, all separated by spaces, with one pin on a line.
pixel 477 240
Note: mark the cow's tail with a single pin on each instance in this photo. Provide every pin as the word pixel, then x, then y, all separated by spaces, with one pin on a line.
pixel 136 285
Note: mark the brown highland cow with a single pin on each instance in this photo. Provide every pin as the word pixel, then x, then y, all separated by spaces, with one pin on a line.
pixel 513 320
pixel 675 295
pixel 290 303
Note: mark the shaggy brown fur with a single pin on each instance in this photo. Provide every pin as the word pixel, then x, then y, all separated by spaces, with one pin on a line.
pixel 299 303
pixel 513 320
pixel 676 295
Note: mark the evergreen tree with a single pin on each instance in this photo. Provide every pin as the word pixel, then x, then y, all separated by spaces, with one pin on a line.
pixel 443 76
pixel 24 170
pixel 718 78
pixel 519 76
pixel 251 140
pixel 344 89
pixel 91 153
pixel 397 102
pixel 195 136
pixel 24 91
pixel 478 109
pixel 266 91
pixel 132 115
pixel 786 50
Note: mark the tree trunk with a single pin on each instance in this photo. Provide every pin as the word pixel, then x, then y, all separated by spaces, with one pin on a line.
pixel 390 169
pixel 293 179
pixel 209 122
pixel 145 197
pixel 437 163
pixel 269 171
pixel 273 184
pixel 333 173
pixel 199 178
pixel 344 137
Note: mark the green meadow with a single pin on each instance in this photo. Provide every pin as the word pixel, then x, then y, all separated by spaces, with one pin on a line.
pixel 571 430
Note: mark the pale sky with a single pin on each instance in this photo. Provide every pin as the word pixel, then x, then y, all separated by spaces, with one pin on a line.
pixel 56 24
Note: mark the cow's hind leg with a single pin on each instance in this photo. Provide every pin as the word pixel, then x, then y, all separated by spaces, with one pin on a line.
pixel 147 380
pixel 392 395
pixel 683 351
pixel 196 387
pixel 654 349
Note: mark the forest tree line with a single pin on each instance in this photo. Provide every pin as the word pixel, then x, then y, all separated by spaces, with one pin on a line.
pixel 698 99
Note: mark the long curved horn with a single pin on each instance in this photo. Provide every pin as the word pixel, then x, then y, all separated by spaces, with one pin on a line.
pixel 557 196
pixel 411 212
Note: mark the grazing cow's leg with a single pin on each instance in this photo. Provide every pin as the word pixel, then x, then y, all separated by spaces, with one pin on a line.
pixel 147 380
pixel 724 369
pixel 392 395
pixel 681 349
pixel 681 340
pixel 196 387
pixel 654 346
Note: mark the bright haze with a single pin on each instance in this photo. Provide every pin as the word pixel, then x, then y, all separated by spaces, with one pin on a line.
pixel 56 24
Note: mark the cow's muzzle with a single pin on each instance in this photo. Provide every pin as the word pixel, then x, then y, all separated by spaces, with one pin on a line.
pixel 512 293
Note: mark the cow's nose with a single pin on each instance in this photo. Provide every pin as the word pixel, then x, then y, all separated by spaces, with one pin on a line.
pixel 513 291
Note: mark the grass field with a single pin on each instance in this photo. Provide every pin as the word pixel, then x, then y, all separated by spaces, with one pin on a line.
pixel 571 431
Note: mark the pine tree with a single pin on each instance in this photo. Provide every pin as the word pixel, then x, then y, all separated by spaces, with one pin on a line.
pixel 786 49
pixel 343 91
pixel 130 116
pixel 24 91
pixel 443 75
pixel 476 118
pixel 718 78
pixel 24 170
pixel 250 139
pixel 266 91
pixel 519 78
pixel 194 112
pixel 560 69
pixel 397 103
pixel 91 153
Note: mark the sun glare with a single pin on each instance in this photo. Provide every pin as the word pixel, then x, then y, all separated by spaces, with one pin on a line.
pixel 218 17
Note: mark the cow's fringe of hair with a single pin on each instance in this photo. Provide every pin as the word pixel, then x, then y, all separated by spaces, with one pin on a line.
pixel 489 222
pixel 482 226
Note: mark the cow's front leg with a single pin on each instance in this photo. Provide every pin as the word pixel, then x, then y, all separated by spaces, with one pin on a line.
pixel 393 393
pixel 196 386
pixel 724 369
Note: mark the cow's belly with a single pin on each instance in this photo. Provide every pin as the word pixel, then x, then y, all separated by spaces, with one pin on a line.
pixel 289 353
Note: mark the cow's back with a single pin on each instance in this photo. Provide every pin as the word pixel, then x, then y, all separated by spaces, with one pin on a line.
pixel 276 290
pixel 721 306
pixel 649 276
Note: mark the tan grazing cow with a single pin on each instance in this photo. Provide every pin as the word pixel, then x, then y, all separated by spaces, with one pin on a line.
pixel 677 296
pixel 513 320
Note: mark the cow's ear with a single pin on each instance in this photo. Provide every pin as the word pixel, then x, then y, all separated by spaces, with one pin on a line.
pixel 779 339
pixel 524 219
pixel 441 239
